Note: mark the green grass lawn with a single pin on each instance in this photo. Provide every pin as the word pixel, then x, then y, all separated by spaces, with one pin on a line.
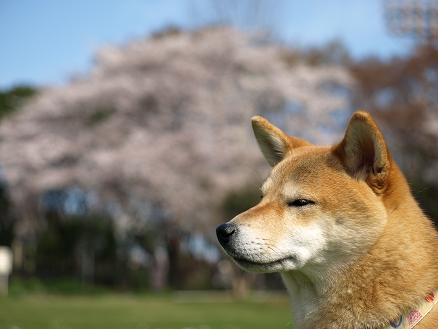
pixel 142 312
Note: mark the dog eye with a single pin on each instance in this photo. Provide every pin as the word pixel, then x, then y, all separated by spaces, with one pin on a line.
pixel 300 203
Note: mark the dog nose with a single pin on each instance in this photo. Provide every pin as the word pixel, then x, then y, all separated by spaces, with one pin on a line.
pixel 224 233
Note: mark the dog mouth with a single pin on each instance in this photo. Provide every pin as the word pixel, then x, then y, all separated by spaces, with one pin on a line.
pixel 253 264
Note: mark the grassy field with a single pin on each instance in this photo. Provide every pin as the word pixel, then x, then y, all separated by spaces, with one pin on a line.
pixel 142 312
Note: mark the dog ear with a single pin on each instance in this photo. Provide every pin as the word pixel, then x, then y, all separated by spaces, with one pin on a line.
pixel 364 153
pixel 273 142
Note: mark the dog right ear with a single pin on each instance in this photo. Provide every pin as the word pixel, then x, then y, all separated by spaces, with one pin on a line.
pixel 364 153
pixel 273 142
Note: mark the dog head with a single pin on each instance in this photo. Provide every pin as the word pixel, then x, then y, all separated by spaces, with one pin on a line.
pixel 321 205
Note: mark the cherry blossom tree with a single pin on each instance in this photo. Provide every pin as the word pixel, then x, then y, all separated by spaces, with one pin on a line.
pixel 167 118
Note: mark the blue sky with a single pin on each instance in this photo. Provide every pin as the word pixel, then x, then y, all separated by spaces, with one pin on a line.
pixel 47 41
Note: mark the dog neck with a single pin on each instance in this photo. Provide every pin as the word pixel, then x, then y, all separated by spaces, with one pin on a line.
pixel 305 294
pixel 307 288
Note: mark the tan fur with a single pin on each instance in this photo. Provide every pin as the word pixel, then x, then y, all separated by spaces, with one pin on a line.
pixel 378 251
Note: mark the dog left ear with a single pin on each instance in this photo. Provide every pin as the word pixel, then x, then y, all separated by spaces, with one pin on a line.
pixel 273 142
pixel 364 153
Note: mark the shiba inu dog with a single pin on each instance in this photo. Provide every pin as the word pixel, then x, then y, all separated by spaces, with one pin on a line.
pixel 341 226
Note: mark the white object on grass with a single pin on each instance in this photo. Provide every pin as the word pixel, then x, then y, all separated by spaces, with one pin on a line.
pixel 5 269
